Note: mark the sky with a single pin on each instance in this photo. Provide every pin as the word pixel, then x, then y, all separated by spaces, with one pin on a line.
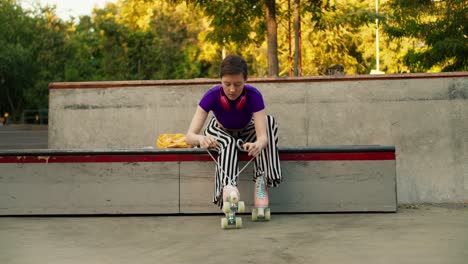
pixel 67 8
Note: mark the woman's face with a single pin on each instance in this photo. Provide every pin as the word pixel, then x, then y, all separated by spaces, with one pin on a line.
pixel 233 84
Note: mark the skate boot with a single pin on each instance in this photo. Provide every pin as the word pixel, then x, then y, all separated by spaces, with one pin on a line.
pixel 231 205
pixel 261 211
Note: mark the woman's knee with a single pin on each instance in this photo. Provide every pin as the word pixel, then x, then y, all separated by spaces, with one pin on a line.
pixel 227 142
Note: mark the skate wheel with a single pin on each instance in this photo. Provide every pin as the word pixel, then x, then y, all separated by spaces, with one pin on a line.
pixel 254 214
pixel 267 214
pixel 238 222
pixel 224 223
pixel 226 207
pixel 241 207
pixel 261 212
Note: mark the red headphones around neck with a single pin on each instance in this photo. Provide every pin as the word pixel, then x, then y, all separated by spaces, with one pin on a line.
pixel 225 101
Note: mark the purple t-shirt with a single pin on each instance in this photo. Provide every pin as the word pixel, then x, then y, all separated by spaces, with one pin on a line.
pixel 232 118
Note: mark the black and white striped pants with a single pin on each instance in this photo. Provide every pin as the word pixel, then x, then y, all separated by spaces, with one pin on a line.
pixel 230 142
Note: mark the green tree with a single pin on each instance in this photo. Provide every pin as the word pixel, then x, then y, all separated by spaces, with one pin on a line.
pixel 31 55
pixel 84 52
pixel 16 57
pixel 439 29
pixel 49 49
pixel 332 35
pixel 162 38
pixel 244 23
pixel 137 14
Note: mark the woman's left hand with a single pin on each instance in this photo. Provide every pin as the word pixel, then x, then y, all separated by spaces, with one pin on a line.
pixel 254 148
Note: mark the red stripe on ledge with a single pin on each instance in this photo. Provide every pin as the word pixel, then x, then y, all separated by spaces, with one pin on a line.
pixel 191 157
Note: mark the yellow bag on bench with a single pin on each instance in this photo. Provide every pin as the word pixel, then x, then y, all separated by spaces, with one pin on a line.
pixel 172 141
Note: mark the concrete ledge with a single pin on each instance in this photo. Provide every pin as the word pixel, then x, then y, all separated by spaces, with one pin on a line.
pixel 173 181
pixel 196 151
pixel 202 81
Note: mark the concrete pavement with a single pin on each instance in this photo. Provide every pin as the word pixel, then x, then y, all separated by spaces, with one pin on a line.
pixel 416 234
pixel 23 137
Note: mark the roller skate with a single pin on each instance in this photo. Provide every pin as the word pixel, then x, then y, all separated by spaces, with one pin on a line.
pixel 231 205
pixel 261 211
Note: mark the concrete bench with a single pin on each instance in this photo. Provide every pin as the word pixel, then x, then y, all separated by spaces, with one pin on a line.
pixel 180 181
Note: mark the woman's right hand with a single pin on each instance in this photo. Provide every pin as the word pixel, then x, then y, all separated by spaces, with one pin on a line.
pixel 208 142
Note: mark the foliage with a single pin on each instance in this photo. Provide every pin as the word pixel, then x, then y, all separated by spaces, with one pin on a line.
pixel 16 31
pixel 238 21
pixel 438 29
pixel 31 54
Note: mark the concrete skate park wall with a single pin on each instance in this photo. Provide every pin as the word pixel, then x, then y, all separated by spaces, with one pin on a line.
pixel 425 116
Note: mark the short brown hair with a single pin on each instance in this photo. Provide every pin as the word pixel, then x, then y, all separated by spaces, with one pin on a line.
pixel 233 64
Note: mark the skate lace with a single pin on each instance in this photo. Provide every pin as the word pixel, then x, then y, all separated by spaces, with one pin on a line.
pixel 260 188
pixel 219 166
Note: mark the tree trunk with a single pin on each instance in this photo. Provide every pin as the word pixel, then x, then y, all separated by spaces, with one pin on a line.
pixel 14 109
pixel 272 34
pixel 297 39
